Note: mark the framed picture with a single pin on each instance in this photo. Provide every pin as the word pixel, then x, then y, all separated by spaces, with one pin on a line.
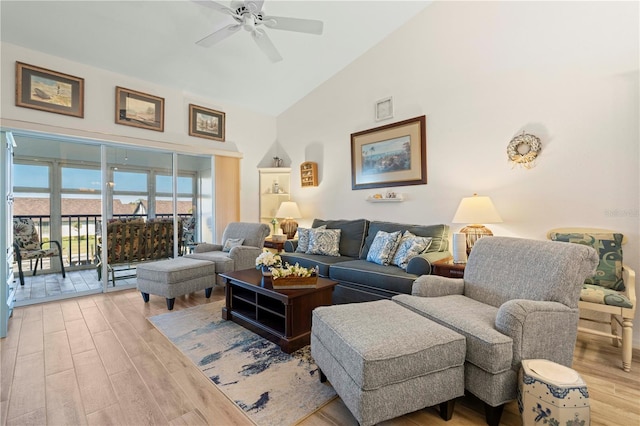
pixel 391 155
pixel 206 123
pixel 384 109
pixel 139 109
pixel 47 90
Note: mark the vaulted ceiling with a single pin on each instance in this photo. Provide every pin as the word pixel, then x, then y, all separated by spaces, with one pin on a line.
pixel 155 41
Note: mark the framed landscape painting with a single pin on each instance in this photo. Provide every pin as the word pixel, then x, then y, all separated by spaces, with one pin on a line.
pixel 391 155
pixel 47 90
pixel 139 109
pixel 206 123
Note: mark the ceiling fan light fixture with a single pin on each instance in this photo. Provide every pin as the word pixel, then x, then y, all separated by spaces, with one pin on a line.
pixel 249 23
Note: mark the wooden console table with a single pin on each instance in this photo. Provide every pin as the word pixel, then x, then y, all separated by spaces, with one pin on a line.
pixel 281 316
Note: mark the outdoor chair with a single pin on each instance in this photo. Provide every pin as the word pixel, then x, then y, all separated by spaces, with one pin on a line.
pixel 27 246
pixel 188 235
pixel 608 299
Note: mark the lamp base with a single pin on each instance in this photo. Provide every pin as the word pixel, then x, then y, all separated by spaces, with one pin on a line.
pixel 289 227
pixel 473 233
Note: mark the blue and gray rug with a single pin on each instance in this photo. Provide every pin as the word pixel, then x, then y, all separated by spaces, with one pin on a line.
pixel 272 387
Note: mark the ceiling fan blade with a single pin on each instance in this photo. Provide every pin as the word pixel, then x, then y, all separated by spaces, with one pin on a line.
pixel 218 35
pixel 215 6
pixel 310 26
pixel 264 43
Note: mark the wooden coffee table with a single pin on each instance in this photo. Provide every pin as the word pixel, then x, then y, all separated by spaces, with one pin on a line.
pixel 282 316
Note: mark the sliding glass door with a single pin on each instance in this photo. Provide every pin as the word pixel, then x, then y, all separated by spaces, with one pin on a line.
pixel 74 190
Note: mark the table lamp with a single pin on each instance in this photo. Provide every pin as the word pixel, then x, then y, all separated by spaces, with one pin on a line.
pixel 289 211
pixel 476 210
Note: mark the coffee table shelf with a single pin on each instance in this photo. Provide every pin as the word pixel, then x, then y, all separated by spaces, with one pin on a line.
pixel 282 316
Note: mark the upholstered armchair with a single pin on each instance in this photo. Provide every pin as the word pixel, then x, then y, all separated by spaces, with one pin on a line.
pixel 27 245
pixel 608 299
pixel 518 300
pixel 242 243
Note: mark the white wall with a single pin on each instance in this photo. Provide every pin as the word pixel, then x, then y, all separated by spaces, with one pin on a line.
pixel 245 129
pixel 483 72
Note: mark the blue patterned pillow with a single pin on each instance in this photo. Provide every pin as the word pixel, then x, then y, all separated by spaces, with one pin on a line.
pixel 303 238
pixel 609 248
pixel 410 246
pixel 383 247
pixel 324 241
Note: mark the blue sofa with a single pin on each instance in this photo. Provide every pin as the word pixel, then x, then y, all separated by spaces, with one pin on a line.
pixel 360 280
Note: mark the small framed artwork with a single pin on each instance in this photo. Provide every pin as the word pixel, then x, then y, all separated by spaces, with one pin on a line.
pixel 139 109
pixel 206 123
pixel 47 90
pixel 391 155
pixel 384 109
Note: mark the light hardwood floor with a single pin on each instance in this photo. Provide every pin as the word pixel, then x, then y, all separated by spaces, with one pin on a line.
pixel 97 360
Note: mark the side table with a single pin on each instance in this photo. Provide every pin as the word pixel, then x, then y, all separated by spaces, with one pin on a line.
pixel 278 246
pixel 446 268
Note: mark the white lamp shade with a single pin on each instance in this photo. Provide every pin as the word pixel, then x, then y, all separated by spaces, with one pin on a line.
pixel 289 209
pixel 476 210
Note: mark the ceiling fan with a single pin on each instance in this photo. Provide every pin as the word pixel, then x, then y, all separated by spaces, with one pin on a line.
pixel 248 14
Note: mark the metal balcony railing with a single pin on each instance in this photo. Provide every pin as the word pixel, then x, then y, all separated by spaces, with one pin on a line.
pixel 79 235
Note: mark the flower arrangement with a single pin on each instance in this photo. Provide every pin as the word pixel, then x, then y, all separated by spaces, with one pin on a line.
pixel 267 258
pixel 295 271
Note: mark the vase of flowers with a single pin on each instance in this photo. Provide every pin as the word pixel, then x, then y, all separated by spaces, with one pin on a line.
pixel 267 260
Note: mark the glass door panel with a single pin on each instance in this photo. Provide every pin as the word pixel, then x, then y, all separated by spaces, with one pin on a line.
pixel 140 220
pixel 57 187
pixel 195 199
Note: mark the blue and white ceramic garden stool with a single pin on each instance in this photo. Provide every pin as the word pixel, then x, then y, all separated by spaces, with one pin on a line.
pixel 552 394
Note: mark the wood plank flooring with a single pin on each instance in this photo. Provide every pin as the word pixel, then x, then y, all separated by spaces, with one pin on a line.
pixel 96 360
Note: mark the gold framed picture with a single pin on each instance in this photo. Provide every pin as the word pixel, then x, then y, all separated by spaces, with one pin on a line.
pixel 139 109
pixel 206 123
pixel 391 155
pixel 47 90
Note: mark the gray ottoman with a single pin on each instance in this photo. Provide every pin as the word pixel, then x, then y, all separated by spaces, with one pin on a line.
pixel 175 277
pixel 385 360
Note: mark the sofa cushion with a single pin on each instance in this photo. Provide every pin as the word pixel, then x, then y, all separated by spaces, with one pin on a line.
pixel 222 260
pixel 324 241
pixel 352 235
pixel 410 246
pixel 303 239
pixel 609 248
pixel 371 274
pixel 383 247
pixel 439 234
pixel 487 348
pixel 312 260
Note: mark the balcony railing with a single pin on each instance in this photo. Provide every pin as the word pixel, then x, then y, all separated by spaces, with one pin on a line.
pixel 79 235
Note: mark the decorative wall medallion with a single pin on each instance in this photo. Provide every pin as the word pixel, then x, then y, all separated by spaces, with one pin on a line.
pixel 523 150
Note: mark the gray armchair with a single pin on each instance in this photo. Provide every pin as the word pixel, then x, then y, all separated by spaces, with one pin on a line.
pixel 518 300
pixel 241 244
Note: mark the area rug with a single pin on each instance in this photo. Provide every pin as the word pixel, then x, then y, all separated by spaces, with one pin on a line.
pixel 270 386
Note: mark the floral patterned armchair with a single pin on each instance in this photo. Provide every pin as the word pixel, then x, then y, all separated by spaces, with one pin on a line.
pixel 27 245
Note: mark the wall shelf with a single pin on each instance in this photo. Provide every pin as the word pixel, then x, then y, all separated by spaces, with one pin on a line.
pixel 273 179
pixel 398 199
pixel 308 174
